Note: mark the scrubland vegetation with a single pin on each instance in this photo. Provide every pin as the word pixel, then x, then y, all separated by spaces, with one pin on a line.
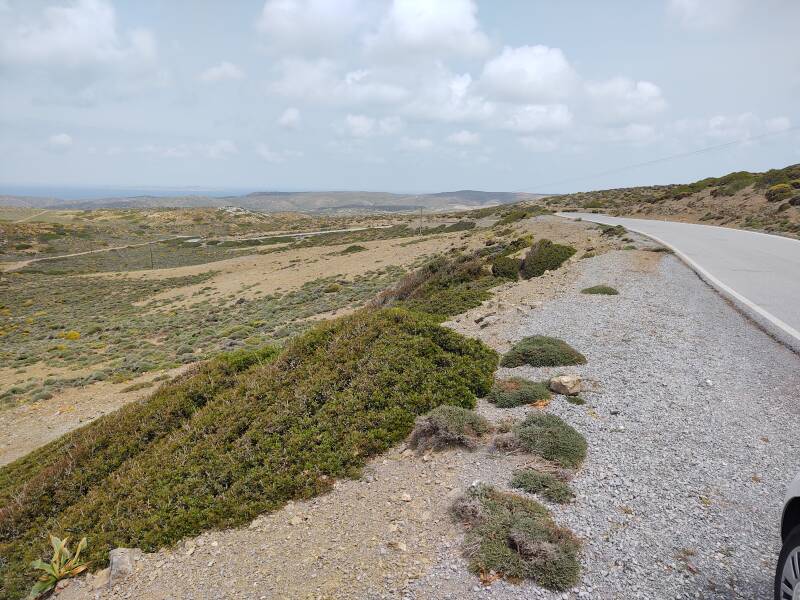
pixel 239 436
pixel 298 405
pixel 767 201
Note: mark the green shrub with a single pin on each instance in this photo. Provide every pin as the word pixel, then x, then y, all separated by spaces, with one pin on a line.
pixel 517 214
pixel 459 226
pixel 613 230
pixel 542 351
pixel 779 192
pixel 353 249
pixel 576 400
pixel 516 538
pixel 505 267
pixel 236 437
pixel 444 287
pixel 447 426
pixel 600 289
pixel 544 484
pixel 516 391
pixel 551 438
pixel 543 256
pixel 332 288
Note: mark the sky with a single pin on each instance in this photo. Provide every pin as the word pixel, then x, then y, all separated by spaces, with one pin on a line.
pixel 395 95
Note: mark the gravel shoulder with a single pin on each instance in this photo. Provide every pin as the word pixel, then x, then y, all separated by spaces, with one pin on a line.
pixel 689 454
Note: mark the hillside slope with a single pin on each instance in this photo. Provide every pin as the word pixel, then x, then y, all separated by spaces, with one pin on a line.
pixel 767 201
pixel 240 435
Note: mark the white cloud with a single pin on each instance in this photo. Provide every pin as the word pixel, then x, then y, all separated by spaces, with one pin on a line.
pixel 60 142
pixel 309 27
pixel 215 150
pixel 79 45
pixel 464 138
pixel 539 143
pixel 450 98
pixel 224 71
pixel 219 149
pixel 322 81
pixel 359 126
pixel 531 74
pixel 424 26
pixel 622 100
pixel 633 133
pixel 777 124
pixel 728 128
pixel 534 118
pixel 290 118
pixel 363 126
pixel 273 156
pixel 705 14
pixel 414 144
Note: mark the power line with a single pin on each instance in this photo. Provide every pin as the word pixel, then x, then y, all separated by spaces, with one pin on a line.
pixel 541 188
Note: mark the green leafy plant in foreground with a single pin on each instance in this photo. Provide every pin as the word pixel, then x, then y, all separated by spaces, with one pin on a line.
pixel 61 566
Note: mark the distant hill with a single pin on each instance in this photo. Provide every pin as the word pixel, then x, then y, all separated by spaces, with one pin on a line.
pixel 768 201
pixel 293 201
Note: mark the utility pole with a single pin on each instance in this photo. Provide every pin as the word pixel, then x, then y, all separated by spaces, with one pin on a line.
pixel 150 247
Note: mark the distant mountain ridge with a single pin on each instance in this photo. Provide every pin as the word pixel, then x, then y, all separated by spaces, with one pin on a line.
pixel 328 202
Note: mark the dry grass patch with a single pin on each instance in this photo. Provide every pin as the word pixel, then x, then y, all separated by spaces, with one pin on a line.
pixel 514 537
pixel 516 391
pixel 447 426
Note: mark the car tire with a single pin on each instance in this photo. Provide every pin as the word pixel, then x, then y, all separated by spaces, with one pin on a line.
pixel 787 573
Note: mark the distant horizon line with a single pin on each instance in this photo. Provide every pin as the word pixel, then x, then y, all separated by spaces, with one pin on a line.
pixel 95 192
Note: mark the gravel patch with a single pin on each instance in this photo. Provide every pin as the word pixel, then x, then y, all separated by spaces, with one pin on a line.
pixel 689 448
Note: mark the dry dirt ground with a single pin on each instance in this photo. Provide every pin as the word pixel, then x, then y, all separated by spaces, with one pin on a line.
pixel 26 427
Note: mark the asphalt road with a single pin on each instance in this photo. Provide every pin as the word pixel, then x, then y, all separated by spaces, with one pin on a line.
pixel 759 272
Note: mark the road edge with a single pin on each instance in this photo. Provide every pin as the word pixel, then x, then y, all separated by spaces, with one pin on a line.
pixel 769 323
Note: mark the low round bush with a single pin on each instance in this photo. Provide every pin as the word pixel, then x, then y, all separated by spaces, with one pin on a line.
pixel 547 485
pixel 551 438
pixel 779 192
pixel 447 426
pixel 506 267
pixel 605 290
pixel 544 255
pixel 542 351
pixel 516 391
pixel 516 538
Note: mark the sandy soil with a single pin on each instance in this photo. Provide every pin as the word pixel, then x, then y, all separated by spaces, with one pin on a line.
pixel 283 271
pixel 28 426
